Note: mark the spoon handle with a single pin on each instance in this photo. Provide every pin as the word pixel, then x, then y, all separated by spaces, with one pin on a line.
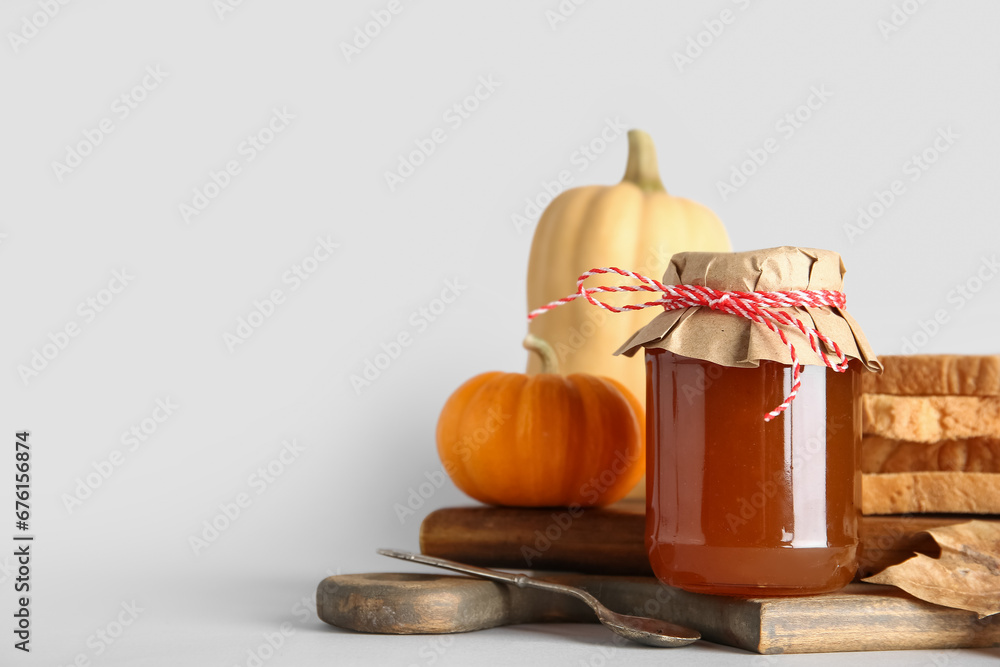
pixel 505 577
pixel 519 580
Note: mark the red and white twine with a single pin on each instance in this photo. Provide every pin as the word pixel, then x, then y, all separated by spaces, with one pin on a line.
pixel 755 306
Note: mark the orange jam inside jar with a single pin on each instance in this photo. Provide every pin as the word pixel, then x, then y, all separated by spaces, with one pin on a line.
pixel 737 504
pixel 740 506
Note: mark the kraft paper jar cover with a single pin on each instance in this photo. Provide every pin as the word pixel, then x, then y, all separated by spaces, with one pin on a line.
pixel 730 340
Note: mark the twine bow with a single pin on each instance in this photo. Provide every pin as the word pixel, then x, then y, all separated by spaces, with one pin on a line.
pixel 757 307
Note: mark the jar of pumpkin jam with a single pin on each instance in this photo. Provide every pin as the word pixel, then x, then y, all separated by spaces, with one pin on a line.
pixel 737 505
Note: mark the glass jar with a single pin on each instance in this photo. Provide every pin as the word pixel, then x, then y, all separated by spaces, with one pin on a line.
pixel 740 506
pixel 736 504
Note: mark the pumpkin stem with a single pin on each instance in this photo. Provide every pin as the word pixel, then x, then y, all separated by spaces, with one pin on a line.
pixel 642 168
pixel 550 362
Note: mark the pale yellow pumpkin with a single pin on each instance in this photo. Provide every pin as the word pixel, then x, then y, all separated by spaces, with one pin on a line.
pixel 634 225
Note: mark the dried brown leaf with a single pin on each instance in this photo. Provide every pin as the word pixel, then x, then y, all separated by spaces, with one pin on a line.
pixel 965 576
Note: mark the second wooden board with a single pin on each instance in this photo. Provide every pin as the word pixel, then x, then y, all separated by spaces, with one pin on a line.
pixel 610 540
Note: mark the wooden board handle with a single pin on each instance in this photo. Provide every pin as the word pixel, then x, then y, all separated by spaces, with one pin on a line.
pixel 435 603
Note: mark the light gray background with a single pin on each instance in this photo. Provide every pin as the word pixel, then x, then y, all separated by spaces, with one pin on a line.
pixel 162 336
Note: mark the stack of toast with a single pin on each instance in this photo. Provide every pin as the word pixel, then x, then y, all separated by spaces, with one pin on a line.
pixel 932 435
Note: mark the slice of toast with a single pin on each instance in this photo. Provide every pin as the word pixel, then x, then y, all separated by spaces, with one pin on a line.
pixel 931 418
pixel 880 454
pixel 925 492
pixel 935 375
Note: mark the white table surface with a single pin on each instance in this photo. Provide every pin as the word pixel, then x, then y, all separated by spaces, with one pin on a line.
pixel 219 621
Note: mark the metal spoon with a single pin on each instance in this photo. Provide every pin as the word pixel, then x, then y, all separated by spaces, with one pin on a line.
pixel 649 631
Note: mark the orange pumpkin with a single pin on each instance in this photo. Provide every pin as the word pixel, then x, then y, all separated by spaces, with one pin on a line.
pixel 542 440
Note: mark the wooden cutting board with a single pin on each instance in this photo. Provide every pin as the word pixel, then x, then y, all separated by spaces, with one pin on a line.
pixel 862 617
pixel 610 540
